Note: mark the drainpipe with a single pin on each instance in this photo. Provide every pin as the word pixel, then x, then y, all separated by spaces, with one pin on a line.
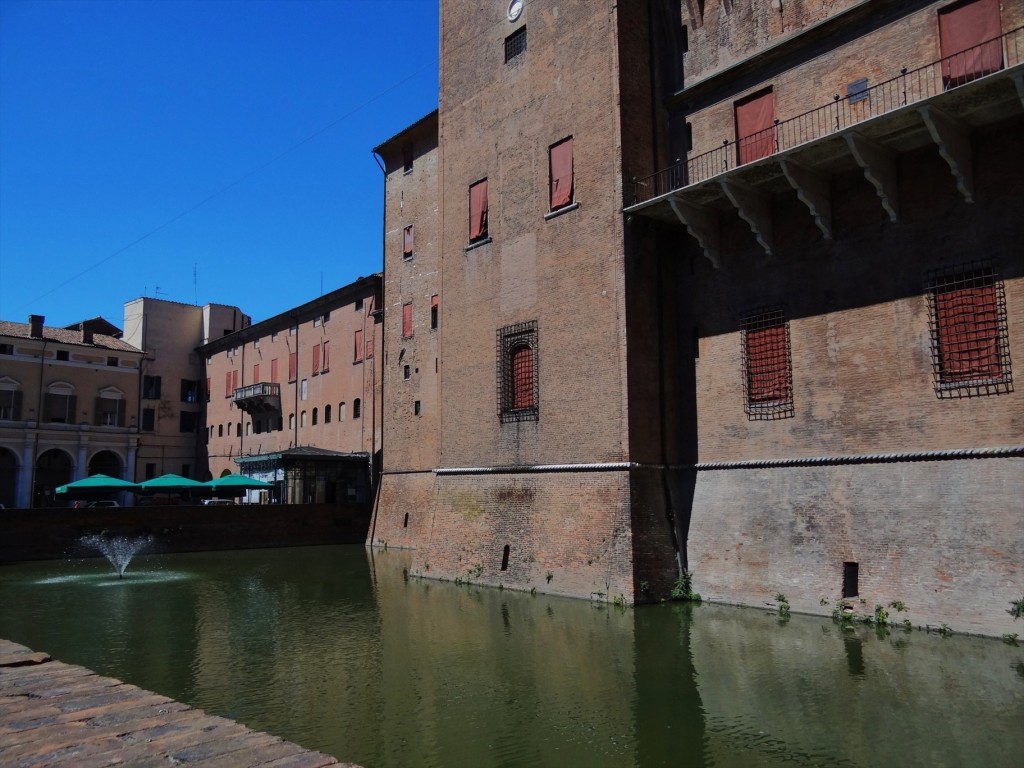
pixel 383 345
pixel 35 446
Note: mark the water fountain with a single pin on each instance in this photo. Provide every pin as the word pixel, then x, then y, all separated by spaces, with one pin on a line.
pixel 119 550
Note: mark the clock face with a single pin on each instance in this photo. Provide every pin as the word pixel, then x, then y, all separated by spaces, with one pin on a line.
pixel 515 9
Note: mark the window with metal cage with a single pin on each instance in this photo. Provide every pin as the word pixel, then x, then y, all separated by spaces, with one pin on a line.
pixel 767 365
pixel 969 336
pixel 518 379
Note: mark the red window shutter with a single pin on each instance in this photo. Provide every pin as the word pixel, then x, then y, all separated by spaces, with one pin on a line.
pixel 369 348
pixel 256 374
pixel 293 367
pixel 768 377
pixel 755 126
pixel 407 242
pixel 227 385
pixel 316 359
pixel 407 320
pixel 273 371
pixel 234 380
pixel 208 390
pixel 561 174
pixel 434 302
pixel 968 39
pixel 522 377
pixel 968 331
pixel 358 355
pixel 478 210
pixel 327 356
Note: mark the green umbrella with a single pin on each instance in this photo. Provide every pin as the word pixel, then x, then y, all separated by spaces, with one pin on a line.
pixel 237 482
pixel 98 483
pixel 170 482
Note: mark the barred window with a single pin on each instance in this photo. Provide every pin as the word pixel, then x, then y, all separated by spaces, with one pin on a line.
pixel 968 328
pixel 518 378
pixel 515 44
pixel 767 365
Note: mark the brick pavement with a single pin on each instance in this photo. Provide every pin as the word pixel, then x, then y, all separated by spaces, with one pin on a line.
pixel 56 714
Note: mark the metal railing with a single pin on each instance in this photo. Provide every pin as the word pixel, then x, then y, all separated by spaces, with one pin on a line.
pixel 909 87
pixel 258 390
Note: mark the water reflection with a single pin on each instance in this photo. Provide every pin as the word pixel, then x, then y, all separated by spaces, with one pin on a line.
pixel 339 650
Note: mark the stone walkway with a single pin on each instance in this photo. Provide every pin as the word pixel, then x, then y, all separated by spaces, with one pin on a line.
pixel 56 714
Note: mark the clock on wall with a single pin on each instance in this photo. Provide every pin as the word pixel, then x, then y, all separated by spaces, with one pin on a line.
pixel 515 9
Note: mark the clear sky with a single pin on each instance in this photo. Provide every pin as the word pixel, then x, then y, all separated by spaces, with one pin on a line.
pixel 212 151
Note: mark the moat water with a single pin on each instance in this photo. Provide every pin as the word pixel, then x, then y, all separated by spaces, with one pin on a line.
pixel 335 649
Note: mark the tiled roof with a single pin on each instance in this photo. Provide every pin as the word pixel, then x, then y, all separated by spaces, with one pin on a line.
pixel 64 336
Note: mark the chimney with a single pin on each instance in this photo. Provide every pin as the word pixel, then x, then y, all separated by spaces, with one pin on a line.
pixel 86 334
pixel 35 326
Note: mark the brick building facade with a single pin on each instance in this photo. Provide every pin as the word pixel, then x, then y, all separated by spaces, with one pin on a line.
pixel 731 288
pixel 295 399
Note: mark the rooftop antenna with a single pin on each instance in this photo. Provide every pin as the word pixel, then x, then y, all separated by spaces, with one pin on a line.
pixel 157 292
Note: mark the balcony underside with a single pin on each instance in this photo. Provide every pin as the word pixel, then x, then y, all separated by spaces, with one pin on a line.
pixel 258 399
pixel 945 121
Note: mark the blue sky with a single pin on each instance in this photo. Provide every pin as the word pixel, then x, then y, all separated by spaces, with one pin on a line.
pixel 214 151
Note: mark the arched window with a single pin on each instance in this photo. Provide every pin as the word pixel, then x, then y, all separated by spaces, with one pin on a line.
pixel 220 430
pixel 327 414
pixel 238 429
pixel 357 408
pixel 315 414
pixel 302 419
pixel 248 428
pixel 291 421
pixel 518 385
pixel 229 429
pixel 341 411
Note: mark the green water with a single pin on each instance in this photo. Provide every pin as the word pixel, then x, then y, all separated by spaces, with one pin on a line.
pixel 333 648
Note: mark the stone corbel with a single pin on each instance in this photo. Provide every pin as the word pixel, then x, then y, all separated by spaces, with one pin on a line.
pixel 813 190
pixel 879 164
pixel 755 208
pixel 954 141
pixel 702 224
pixel 1018 78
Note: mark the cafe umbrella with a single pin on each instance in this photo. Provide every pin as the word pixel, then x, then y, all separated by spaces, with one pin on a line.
pixel 97 482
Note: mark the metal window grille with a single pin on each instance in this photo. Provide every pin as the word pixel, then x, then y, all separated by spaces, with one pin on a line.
pixel 767 366
pixel 968 328
pixel 518 373
pixel 515 44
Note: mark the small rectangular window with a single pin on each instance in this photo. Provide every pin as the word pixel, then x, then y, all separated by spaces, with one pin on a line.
pixel 857 91
pixel 148 419
pixel 359 305
pixel 407 320
pixel 407 243
pixel 150 387
pixel 318 321
pixel 113 362
pixel 435 309
pixel 515 44
pixel 407 158
pixel 303 390
pixel 150 471
pixel 6 349
pixel 189 391
pixel 357 355
pixel 62 354
pixel 562 174
pixel 851 575
pixel 478 211
pixel 416 408
pixel 406 372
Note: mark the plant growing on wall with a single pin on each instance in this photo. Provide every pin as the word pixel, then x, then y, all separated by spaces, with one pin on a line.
pixel 682 590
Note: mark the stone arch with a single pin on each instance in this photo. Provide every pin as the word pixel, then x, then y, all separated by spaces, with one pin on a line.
pixel 107 462
pixel 54 467
pixel 225 473
pixel 8 477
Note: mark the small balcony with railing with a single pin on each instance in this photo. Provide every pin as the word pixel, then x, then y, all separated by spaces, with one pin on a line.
pixel 939 103
pixel 264 397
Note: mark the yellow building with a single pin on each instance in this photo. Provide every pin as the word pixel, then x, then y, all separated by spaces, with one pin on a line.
pixel 68 409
